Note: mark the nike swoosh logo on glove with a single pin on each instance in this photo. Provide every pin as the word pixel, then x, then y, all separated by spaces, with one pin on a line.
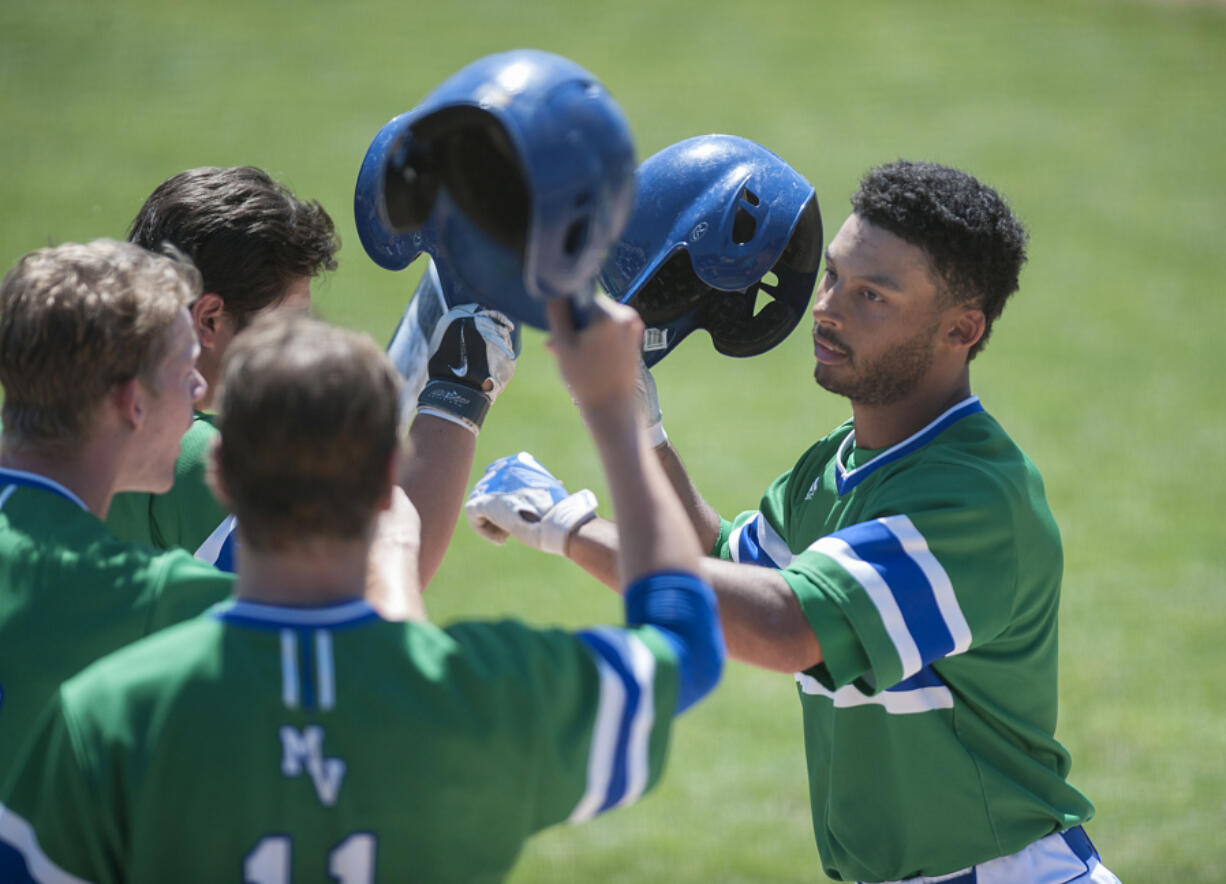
pixel 462 369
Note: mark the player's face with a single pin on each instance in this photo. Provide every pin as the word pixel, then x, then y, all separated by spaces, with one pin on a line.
pixel 875 316
pixel 174 387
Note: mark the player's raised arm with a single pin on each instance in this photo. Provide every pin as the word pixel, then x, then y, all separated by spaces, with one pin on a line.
pixel 600 366
pixel 659 558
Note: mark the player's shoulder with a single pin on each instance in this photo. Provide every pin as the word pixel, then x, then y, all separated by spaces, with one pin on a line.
pixel 511 664
pixel 145 673
pixel 972 466
pixel 199 435
pixel 978 450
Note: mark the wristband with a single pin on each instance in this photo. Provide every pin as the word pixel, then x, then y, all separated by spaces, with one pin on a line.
pixel 456 402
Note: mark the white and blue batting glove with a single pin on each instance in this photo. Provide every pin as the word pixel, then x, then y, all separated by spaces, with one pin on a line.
pixel 518 497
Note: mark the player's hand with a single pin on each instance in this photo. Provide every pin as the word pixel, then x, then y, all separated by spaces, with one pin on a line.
pixel 649 406
pixel 472 359
pixel 518 497
pixel 600 363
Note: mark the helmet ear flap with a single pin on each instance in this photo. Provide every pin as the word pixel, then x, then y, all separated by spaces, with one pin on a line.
pixel 736 330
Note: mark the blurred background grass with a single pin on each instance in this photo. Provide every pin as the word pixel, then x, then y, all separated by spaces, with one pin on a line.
pixel 1101 120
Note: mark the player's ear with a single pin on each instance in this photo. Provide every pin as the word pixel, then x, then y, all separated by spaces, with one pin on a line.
pixel 965 327
pixel 213 477
pixel 128 401
pixel 208 312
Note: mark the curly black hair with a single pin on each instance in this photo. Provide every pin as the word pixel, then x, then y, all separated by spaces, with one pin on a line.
pixel 247 233
pixel 976 244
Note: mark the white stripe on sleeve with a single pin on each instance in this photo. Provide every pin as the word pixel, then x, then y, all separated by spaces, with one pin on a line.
pixel 643 664
pixel 604 742
pixel 947 602
pixel 883 600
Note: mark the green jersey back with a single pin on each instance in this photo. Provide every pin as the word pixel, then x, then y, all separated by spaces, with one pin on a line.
pixel 296 743
pixel 930 574
pixel 70 593
pixel 185 515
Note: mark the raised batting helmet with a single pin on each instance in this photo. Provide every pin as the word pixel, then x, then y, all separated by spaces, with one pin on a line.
pixel 714 218
pixel 515 174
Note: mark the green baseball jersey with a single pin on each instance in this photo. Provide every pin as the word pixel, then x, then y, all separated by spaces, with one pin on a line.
pixel 70 593
pixel 185 515
pixel 930 574
pixel 268 744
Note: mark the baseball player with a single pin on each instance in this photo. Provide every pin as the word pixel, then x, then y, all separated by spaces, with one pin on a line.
pixel 906 569
pixel 97 360
pixel 329 740
pixel 256 246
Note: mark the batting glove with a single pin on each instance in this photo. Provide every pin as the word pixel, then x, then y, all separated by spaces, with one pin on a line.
pixel 518 497
pixel 472 359
pixel 649 406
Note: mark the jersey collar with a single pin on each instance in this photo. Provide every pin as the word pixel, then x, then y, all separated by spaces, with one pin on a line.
pixel 845 479
pixel 11 480
pixel 279 616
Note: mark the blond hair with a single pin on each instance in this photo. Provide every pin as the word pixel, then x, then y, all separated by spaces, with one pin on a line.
pixel 307 415
pixel 75 320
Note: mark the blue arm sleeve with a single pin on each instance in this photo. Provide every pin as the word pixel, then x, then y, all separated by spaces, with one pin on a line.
pixel 682 607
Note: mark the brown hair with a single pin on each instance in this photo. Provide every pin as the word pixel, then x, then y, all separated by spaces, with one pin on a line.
pixel 74 321
pixel 248 234
pixel 307 415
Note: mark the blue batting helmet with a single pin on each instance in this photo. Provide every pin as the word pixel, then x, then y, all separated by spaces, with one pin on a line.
pixel 515 174
pixel 715 217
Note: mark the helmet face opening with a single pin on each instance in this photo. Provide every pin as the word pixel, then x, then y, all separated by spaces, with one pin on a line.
pixel 470 154
pixel 514 175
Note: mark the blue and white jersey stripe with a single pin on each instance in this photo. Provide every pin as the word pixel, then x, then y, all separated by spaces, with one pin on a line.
pixel 22 858
pixel 912 593
pixel 923 692
pixel 618 760
pixel 757 543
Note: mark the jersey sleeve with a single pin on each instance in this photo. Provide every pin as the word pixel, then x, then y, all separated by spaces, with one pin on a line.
pixel 584 718
pixel 53 829
pixel 754 536
pixel 928 576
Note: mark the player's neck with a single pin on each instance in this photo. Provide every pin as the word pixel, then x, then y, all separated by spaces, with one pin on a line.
pixel 85 470
pixel 309 573
pixel 880 426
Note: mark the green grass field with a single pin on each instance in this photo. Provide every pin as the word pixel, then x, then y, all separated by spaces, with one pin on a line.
pixel 1102 121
